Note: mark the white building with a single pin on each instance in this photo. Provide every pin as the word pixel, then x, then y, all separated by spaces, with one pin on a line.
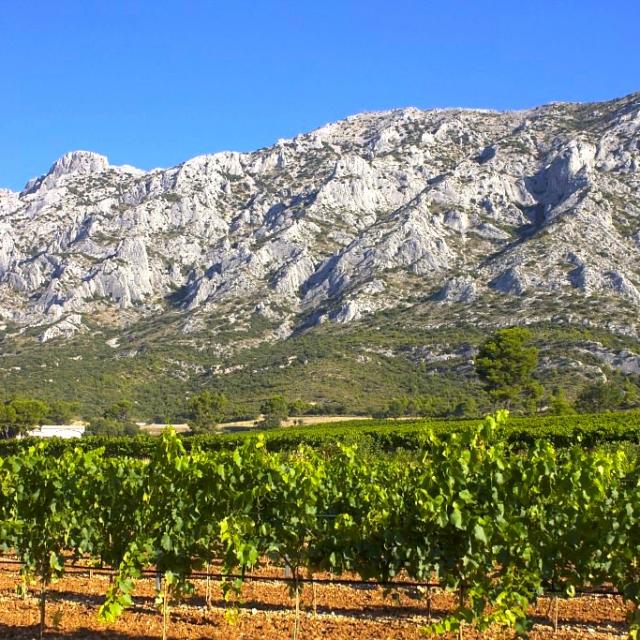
pixel 57 431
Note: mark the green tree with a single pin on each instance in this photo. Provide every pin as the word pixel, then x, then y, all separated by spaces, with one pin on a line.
pixel 397 407
pixel 298 407
pixel 120 411
pixel 7 420
pixel 102 426
pixel 115 421
pixel 60 412
pixel 206 410
pixel 505 364
pixel 600 396
pixel 559 405
pixel 467 408
pixel 20 415
pixel 274 410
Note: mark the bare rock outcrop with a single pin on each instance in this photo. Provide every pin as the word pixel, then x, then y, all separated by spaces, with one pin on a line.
pixel 369 213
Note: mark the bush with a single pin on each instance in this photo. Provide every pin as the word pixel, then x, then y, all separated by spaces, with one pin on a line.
pixel 559 405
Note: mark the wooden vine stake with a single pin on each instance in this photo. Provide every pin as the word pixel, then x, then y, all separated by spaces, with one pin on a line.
pixel 296 625
pixel 461 603
pixel 207 589
pixel 43 606
pixel 165 609
pixel 552 611
pixel 315 599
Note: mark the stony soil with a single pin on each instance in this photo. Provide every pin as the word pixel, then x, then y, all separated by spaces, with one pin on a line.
pixel 265 611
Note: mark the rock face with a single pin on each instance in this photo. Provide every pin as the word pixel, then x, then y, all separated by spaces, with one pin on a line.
pixel 376 211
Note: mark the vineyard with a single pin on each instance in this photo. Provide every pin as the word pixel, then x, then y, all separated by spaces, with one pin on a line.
pixel 492 523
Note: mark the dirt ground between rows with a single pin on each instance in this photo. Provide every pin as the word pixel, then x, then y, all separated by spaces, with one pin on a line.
pixel 265 612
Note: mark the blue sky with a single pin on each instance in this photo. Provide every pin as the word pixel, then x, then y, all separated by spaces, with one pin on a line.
pixel 152 83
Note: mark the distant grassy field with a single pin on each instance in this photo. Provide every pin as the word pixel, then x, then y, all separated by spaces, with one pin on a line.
pixel 292 421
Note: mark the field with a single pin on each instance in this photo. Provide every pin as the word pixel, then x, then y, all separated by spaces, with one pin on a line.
pixel 496 525
pixel 265 611
pixel 293 421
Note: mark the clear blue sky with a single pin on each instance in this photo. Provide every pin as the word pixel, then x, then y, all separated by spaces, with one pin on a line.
pixel 152 83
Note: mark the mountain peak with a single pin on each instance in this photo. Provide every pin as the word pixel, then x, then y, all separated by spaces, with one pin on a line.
pixel 74 162
pixel 79 162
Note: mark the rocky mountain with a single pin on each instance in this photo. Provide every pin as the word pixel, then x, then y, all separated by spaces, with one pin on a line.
pixel 491 217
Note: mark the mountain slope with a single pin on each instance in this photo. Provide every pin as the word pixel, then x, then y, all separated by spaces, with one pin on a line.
pixel 443 215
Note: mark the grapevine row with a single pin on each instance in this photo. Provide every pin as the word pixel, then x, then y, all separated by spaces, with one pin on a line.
pixel 486 519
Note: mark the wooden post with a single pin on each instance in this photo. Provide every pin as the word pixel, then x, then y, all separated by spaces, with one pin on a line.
pixel 296 624
pixel 549 605
pixel 461 604
pixel 165 609
pixel 315 601
pixel 43 605
pixel 207 592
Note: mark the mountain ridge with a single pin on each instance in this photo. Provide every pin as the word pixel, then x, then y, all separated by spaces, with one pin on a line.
pixel 456 210
pixel 554 103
